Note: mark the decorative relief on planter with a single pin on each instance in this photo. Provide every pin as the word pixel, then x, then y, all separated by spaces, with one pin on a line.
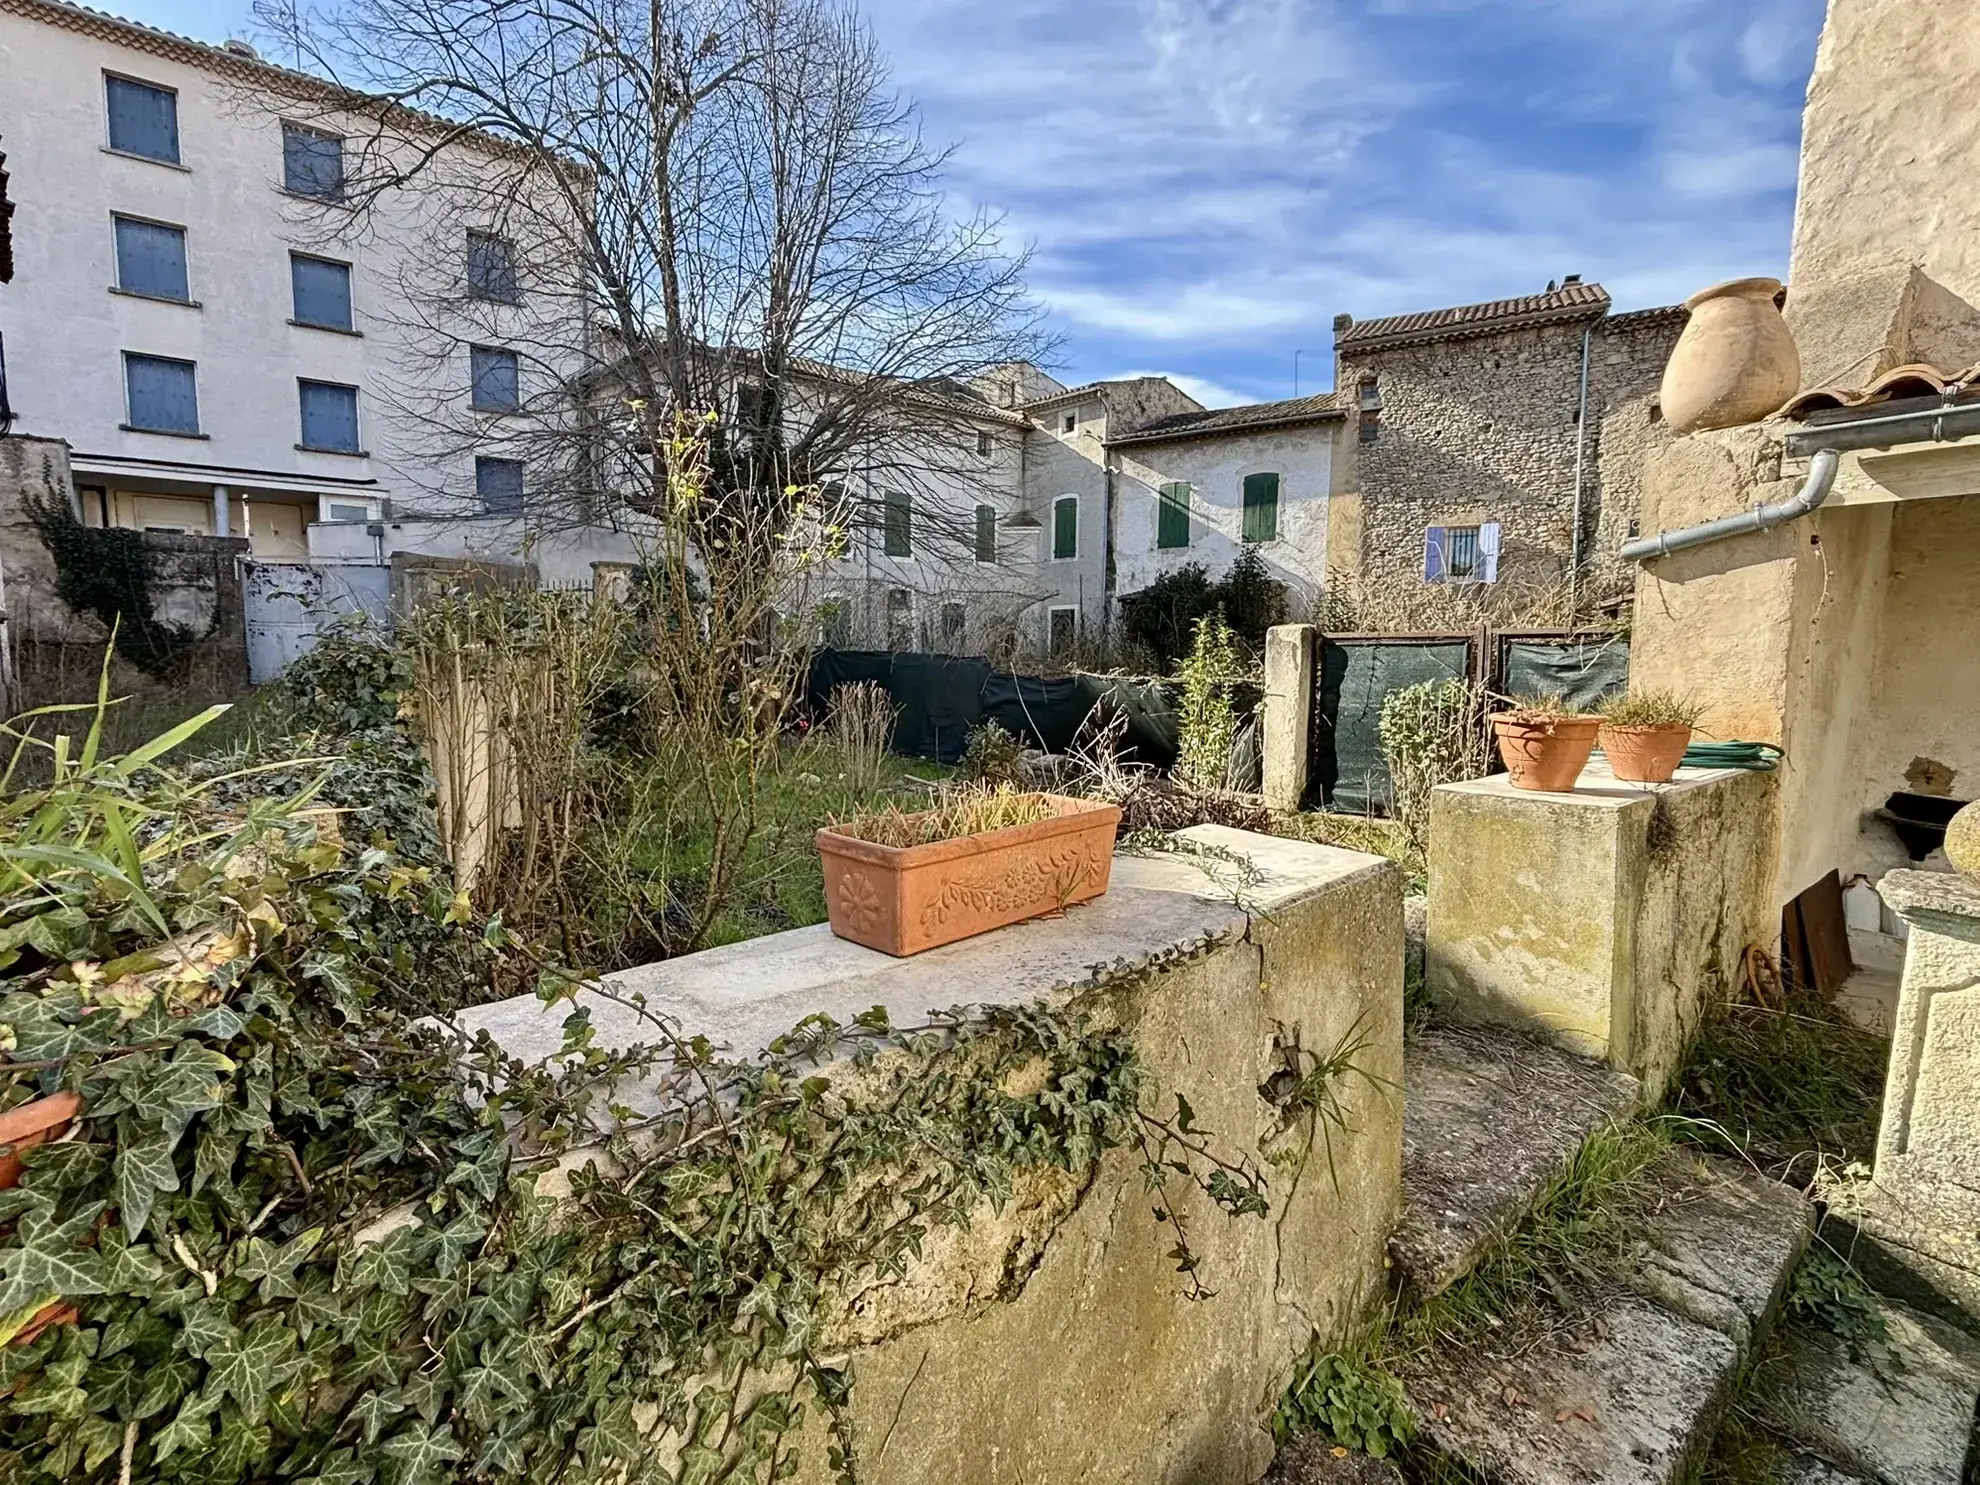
pixel 904 900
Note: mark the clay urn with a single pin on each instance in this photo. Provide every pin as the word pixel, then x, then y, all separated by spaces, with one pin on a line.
pixel 1963 840
pixel 1736 361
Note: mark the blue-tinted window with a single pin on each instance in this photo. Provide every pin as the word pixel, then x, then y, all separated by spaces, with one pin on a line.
pixel 151 259
pixel 312 162
pixel 499 483
pixel 322 291
pixel 161 394
pixel 497 382
pixel 491 268
pixel 143 120
pixel 329 417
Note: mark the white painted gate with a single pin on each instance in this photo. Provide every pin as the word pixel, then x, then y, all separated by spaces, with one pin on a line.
pixel 290 605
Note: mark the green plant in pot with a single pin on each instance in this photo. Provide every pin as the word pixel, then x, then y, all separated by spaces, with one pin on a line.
pixel 1544 743
pixel 1644 734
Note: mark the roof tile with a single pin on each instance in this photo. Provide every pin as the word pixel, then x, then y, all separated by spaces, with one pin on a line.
pixel 1569 302
pixel 1251 418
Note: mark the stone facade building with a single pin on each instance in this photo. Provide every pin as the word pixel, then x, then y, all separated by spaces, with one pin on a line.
pixel 1474 467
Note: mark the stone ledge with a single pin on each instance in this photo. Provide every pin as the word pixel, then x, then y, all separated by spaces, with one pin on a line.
pixel 1939 894
pixel 1598 788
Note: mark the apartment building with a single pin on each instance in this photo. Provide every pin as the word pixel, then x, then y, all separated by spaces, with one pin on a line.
pixel 224 346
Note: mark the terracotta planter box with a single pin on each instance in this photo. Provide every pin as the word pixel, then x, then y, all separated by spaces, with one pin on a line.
pixel 904 900
pixel 1546 756
pixel 1645 755
pixel 34 1123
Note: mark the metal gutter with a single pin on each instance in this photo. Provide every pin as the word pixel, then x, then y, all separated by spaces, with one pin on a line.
pixel 1825 445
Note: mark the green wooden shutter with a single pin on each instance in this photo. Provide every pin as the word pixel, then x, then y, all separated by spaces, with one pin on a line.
pixel 1065 527
pixel 1261 507
pixel 1172 516
pixel 898 530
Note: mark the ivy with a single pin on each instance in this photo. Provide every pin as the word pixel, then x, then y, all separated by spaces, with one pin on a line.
pixel 311 1233
pixel 105 572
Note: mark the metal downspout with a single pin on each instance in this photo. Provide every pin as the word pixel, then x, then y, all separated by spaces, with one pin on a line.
pixel 1580 466
pixel 1814 490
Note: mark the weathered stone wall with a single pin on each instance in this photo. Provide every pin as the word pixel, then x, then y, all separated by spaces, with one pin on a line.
pixel 1052 1342
pixel 1604 918
pixel 195 583
pixel 1485 429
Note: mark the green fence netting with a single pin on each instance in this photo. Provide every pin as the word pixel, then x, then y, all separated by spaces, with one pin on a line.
pixel 1583 673
pixel 1351 680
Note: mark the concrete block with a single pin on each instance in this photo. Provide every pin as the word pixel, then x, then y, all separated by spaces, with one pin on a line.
pixel 1902 1422
pixel 1288 724
pixel 1600 918
pixel 1051 1341
pixel 1930 1135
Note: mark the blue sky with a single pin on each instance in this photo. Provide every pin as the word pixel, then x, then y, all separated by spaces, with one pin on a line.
pixel 1207 183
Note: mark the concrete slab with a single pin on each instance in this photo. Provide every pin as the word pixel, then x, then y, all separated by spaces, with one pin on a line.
pixel 1488 1118
pixel 1631 1396
pixel 1719 1244
pixel 1904 1424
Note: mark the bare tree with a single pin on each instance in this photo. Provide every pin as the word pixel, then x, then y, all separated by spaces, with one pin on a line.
pixel 712 207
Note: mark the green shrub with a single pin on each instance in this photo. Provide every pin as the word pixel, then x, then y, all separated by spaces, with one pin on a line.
pixel 1349 1399
pixel 1206 715
pixel 992 756
pixel 1163 617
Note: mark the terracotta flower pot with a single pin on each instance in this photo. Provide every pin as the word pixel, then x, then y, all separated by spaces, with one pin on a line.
pixel 33 1123
pixel 1736 361
pixel 904 900
pixel 1545 754
pixel 1645 755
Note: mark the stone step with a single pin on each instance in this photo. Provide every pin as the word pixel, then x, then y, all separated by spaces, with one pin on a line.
pixel 1901 1415
pixel 1629 1388
pixel 1489 1118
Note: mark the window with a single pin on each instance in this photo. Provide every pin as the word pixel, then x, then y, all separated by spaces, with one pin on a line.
pixel 900 619
pixel 1172 515
pixel 986 533
pixel 322 292
pixel 151 259
pixel 1065 528
pixel 982 443
pixel 1261 507
pixel 497 385
pixel 491 268
pixel 340 510
pixel 329 417
pixel 897 524
pixel 143 120
pixel 312 163
pixel 1069 422
pixel 1061 629
pixel 499 485
pixel 1462 554
pixel 955 621
pixel 160 394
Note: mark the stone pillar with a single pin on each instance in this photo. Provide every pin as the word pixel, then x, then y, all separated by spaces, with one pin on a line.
pixel 1599 919
pixel 1288 713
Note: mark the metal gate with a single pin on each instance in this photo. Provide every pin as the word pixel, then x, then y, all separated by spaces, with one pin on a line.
pixel 288 606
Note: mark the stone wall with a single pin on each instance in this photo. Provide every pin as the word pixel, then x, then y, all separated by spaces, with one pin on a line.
pixel 1485 429
pixel 1052 1341
pixel 56 653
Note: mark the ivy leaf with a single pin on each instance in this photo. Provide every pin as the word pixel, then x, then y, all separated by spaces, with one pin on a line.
pixel 273 1267
pixel 222 1023
pixel 341 1468
pixel 166 1382
pixel 48 1257
pixel 247 1368
pixel 100 1438
pixel 144 1167
pixel 416 1453
pixel 188 1430
pixel 374 1410
pixel 206 1325
pixel 612 1436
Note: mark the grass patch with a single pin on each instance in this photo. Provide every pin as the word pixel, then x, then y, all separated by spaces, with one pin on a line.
pixel 974 811
pixel 1791 1090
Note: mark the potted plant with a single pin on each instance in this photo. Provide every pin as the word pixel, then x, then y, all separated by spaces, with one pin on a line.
pixel 1544 744
pixel 902 883
pixel 1644 734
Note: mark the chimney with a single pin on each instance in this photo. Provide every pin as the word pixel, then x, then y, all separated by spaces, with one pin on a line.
pixel 1572 278
pixel 1342 322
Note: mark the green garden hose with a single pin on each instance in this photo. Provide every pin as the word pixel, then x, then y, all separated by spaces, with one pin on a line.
pixel 1761 757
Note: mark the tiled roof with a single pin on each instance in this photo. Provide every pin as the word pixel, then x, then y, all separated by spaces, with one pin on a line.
pixel 242 65
pixel 941 392
pixel 1900 384
pixel 1569 302
pixel 1643 319
pixel 1256 417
